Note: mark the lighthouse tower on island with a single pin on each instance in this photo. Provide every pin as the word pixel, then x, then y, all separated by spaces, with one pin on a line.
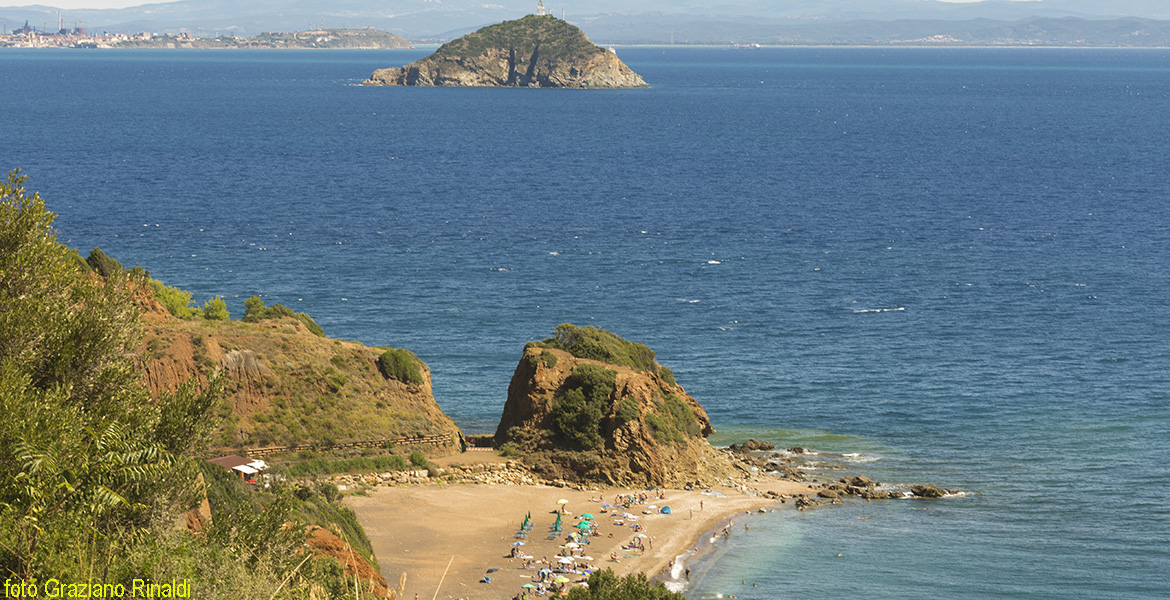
pixel 540 10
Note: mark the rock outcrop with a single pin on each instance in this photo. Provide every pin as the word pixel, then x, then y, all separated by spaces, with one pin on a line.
pixel 535 51
pixel 650 431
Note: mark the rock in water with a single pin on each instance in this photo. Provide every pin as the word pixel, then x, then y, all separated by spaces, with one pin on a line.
pixel 536 51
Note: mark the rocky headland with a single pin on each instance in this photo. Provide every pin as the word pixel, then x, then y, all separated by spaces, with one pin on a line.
pixel 535 51
pixel 588 406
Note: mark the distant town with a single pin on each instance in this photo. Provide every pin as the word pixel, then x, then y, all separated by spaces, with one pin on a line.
pixel 73 35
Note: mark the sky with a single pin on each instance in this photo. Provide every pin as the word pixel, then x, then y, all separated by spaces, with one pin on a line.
pixel 74 4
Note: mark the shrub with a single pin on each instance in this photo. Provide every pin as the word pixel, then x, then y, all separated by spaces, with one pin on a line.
pixel 176 301
pixel 667 375
pixel 103 264
pixel 604 585
pixel 600 345
pixel 673 421
pixel 216 310
pixel 400 364
pixel 546 358
pixel 577 413
pixel 508 450
pixel 418 459
pixel 627 410
pixel 255 311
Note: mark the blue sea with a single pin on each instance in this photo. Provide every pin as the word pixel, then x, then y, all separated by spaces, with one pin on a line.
pixel 941 266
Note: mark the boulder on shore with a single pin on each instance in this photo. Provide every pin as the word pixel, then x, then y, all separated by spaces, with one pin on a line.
pixel 752 445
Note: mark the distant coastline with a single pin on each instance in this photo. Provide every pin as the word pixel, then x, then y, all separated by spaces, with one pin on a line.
pixel 317 39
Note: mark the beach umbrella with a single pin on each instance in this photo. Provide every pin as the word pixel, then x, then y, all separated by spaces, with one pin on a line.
pixel 585 557
pixel 642 535
pixel 528 586
pixel 565 560
pixel 583 525
pixel 587 516
pixel 518 544
pixel 572 545
pixel 561 580
pixel 562 501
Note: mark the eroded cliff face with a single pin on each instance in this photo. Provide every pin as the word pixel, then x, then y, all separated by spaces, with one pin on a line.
pixel 530 52
pixel 285 386
pixel 643 442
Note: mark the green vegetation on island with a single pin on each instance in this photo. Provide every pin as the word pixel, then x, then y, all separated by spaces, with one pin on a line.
pixel 534 51
pixel 553 38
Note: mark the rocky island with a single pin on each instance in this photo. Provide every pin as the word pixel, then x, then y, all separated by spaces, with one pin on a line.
pixel 535 51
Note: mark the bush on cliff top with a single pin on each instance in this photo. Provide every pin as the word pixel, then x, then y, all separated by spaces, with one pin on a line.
pixel 400 364
pixel 255 311
pixel 600 345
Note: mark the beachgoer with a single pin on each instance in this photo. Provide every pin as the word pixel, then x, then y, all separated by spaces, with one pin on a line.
pixel 688 573
pixel 700 505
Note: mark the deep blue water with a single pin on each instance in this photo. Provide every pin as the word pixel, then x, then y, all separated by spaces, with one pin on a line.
pixel 952 262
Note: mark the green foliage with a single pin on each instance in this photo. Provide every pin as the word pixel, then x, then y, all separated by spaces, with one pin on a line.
pixel 215 309
pixel 627 410
pixel 508 450
pixel 400 364
pixel 323 466
pixel 93 472
pixel 546 37
pixel 546 358
pixel 604 585
pixel 176 301
pixel 667 375
pixel 581 405
pixel 103 265
pixel 600 345
pixel 673 421
pixel 255 311
pixel 84 454
pixel 418 459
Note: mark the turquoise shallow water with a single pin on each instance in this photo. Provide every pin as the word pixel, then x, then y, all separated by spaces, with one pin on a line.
pixel 949 262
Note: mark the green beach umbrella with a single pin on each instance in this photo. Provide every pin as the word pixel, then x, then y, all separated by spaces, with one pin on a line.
pixel 583 525
pixel 528 586
pixel 561 580
pixel 587 516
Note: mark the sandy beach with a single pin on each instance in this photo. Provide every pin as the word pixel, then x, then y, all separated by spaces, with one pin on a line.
pixel 447 537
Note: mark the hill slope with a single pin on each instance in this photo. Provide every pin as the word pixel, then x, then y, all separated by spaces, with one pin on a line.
pixel 535 51
pixel 286 386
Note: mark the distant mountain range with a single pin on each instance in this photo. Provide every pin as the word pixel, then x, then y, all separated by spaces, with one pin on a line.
pixel 1048 22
